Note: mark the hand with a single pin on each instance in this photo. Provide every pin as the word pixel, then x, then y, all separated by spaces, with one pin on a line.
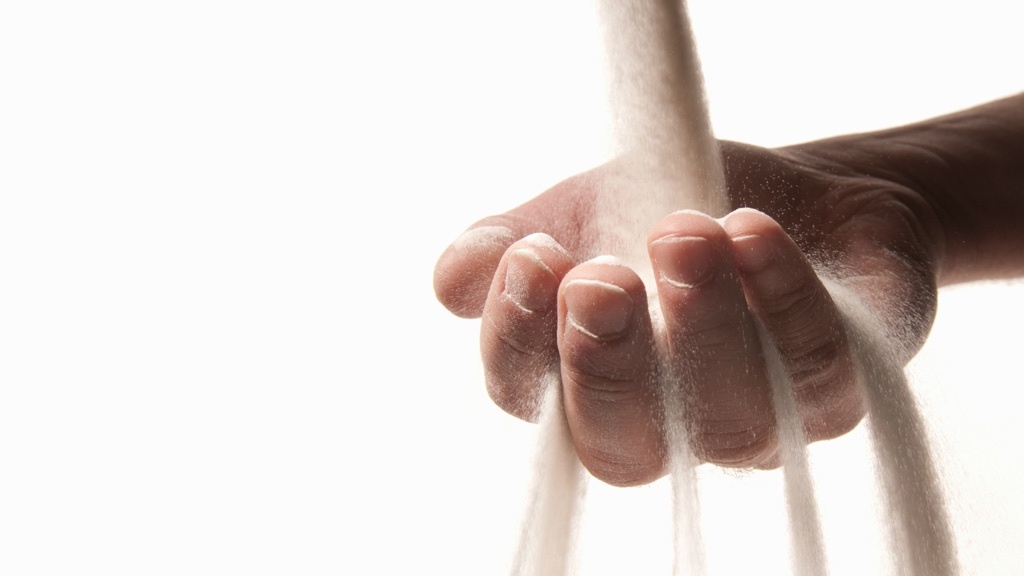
pixel 546 306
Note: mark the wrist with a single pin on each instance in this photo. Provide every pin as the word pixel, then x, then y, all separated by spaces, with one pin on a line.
pixel 965 176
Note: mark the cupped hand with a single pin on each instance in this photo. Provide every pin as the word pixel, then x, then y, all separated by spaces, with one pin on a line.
pixel 547 304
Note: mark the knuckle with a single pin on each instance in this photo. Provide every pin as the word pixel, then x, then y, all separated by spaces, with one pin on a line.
pixel 525 343
pixel 793 304
pixel 605 370
pixel 604 395
pixel 822 375
pixel 607 388
pixel 815 359
pixel 713 336
pixel 720 338
pixel 599 376
pixel 622 470
pixel 727 445
pixel 514 362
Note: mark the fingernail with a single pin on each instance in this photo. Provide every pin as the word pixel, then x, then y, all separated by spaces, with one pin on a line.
pixel 598 309
pixel 529 283
pixel 752 253
pixel 684 261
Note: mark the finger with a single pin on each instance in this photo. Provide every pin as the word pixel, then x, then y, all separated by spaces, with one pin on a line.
pixel 463 273
pixel 784 291
pixel 608 373
pixel 517 334
pixel 712 341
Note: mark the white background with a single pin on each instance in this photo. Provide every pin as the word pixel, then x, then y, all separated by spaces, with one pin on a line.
pixel 219 347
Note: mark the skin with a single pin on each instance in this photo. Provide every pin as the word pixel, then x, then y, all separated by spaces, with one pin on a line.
pixel 893 215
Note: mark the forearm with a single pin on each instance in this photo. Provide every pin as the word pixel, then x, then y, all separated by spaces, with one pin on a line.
pixel 969 168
